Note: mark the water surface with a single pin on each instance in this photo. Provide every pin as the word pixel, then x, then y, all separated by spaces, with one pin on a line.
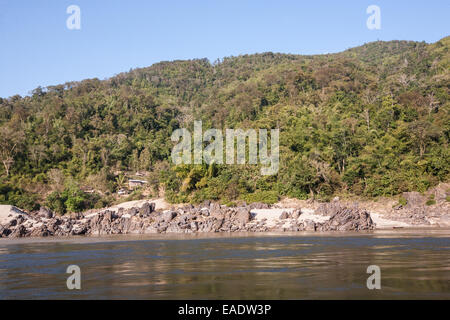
pixel 414 265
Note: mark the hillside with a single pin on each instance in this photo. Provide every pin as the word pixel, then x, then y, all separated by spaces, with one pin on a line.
pixel 370 121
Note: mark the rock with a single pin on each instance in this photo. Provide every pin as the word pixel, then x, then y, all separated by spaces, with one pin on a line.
pixel 215 207
pixel 413 199
pixel 445 220
pixel 76 215
pixel 4 232
pixel 259 205
pixel 284 215
pixel 18 232
pixel 217 212
pixel 79 229
pixel 162 226
pixel 243 215
pixel 132 212
pixel 348 219
pixel 188 207
pixel 40 231
pixel 206 203
pixel 328 209
pixel 309 225
pixel 204 212
pixel 167 216
pixel 12 223
pixel 441 194
pixel 147 209
pixel 296 213
pixel 210 218
pixel 45 213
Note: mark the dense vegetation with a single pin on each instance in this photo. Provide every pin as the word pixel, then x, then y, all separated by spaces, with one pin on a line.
pixel 371 121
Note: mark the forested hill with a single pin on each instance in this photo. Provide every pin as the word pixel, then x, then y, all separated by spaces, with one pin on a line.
pixel 370 121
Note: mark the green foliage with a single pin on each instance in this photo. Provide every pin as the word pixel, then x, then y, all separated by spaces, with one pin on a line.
pixel 135 195
pixel 430 202
pixel 18 197
pixel 56 202
pixel 72 199
pixel 371 121
pixel 269 197
pixel 402 201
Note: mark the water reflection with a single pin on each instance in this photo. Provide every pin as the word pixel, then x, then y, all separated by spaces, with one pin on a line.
pixel 321 266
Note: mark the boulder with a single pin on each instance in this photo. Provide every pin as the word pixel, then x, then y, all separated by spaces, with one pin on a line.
pixel 328 209
pixel 76 215
pixel 284 215
pixel 4 232
pixel 309 225
pixel 167 216
pixel 45 213
pixel 146 209
pixel 79 229
pixel 296 213
pixel 413 199
pixel 204 212
pixel 259 205
pixel 40 231
pixel 348 219
pixel 243 215
pixel 132 212
pixel 18 232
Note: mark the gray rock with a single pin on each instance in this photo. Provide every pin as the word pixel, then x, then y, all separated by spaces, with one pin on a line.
pixel 18 232
pixel 284 215
pixel 45 213
pixel 259 205
pixel 309 225
pixel 41 231
pixel 413 199
pixel 243 215
pixel 167 216
pixel 147 209
pixel 204 212
pixel 296 213
pixel 76 215
pixel 348 219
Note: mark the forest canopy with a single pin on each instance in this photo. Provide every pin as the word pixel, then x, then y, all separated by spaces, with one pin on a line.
pixel 370 121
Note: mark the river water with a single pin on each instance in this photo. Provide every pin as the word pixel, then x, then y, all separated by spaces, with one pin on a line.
pixel 413 264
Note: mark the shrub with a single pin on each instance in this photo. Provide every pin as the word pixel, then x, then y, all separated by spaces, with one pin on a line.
pixel 430 202
pixel 268 197
pixel 72 199
pixel 55 202
pixel 18 197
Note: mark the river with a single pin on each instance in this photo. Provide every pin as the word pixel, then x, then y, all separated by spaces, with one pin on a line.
pixel 414 264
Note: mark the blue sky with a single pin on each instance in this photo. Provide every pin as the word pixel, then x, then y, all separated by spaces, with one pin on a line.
pixel 37 49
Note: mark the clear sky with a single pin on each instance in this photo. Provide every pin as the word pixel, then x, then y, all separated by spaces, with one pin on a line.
pixel 37 48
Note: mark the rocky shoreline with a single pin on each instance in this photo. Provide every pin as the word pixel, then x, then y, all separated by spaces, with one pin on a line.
pixel 207 218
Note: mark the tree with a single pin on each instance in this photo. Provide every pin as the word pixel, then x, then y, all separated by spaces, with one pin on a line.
pixel 421 132
pixel 11 141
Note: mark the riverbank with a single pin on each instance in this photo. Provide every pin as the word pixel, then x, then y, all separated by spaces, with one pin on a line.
pixel 155 216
